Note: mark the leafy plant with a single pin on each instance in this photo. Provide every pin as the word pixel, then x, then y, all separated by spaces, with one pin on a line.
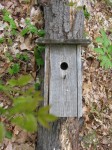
pixel 9 56
pixel 30 28
pixel 24 110
pixel 86 13
pixel 14 69
pixel 23 57
pixel 7 18
pixel 104 50
pixel 2 131
pixel 8 134
pixel 1 40
pixel 38 55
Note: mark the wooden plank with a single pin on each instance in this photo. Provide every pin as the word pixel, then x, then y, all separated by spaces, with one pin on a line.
pixel 83 42
pixel 63 83
pixel 46 76
pixel 79 82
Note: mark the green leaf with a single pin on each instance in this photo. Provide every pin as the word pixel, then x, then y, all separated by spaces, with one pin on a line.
pixel 41 33
pixel 43 122
pixel 13 82
pixel 13 32
pixel 104 50
pixel 44 117
pixel 99 40
pixel 24 80
pixel 7 18
pixel 2 111
pixel 41 48
pixel 86 13
pixel 9 56
pixel 33 29
pixel 1 40
pixel 26 103
pixel 37 86
pixel 103 33
pixel 23 57
pixel 2 131
pixel 51 118
pixel 106 42
pixel 8 134
pixel 105 62
pixel 23 104
pixel 40 62
pixel 14 69
pixel 21 81
pixel 27 21
pixel 26 121
pixel 43 110
pixel 5 12
pixel 24 31
pixel 99 51
pixel 2 87
pixel 110 49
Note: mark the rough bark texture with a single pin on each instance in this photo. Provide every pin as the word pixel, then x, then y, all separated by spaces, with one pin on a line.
pixel 61 22
pixel 49 139
pixel 63 135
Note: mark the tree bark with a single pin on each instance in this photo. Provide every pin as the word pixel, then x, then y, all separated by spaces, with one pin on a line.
pixel 63 135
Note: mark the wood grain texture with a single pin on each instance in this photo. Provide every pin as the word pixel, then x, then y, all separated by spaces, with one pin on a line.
pixel 60 27
pixel 82 42
pixel 79 82
pixel 63 83
pixel 46 75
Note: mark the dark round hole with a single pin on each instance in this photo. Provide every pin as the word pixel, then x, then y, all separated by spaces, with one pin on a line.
pixel 64 66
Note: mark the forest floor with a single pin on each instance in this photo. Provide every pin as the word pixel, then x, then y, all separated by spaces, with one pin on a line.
pixel 97 82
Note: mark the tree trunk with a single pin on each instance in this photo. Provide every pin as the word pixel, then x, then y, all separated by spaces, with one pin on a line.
pixel 63 135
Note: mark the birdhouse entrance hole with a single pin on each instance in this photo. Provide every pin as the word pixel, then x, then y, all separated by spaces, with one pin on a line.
pixel 64 66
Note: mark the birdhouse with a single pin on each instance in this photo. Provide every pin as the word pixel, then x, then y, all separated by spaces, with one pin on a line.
pixel 63 73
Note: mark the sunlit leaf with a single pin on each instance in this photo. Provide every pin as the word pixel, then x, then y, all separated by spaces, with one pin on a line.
pixel 26 121
pixel 43 122
pixel 24 79
pixel 2 131
pixel 99 51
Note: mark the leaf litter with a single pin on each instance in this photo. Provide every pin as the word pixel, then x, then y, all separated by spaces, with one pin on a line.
pixel 96 132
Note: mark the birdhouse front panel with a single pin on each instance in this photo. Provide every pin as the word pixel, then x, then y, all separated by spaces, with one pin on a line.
pixel 63 80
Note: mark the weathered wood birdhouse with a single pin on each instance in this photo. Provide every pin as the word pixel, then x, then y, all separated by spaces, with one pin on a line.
pixel 63 74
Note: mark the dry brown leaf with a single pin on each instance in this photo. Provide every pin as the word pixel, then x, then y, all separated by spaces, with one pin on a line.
pixel 9 146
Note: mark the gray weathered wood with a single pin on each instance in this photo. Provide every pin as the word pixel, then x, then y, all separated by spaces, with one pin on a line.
pixel 64 95
pixel 46 76
pixel 79 82
pixel 63 83
pixel 83 42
